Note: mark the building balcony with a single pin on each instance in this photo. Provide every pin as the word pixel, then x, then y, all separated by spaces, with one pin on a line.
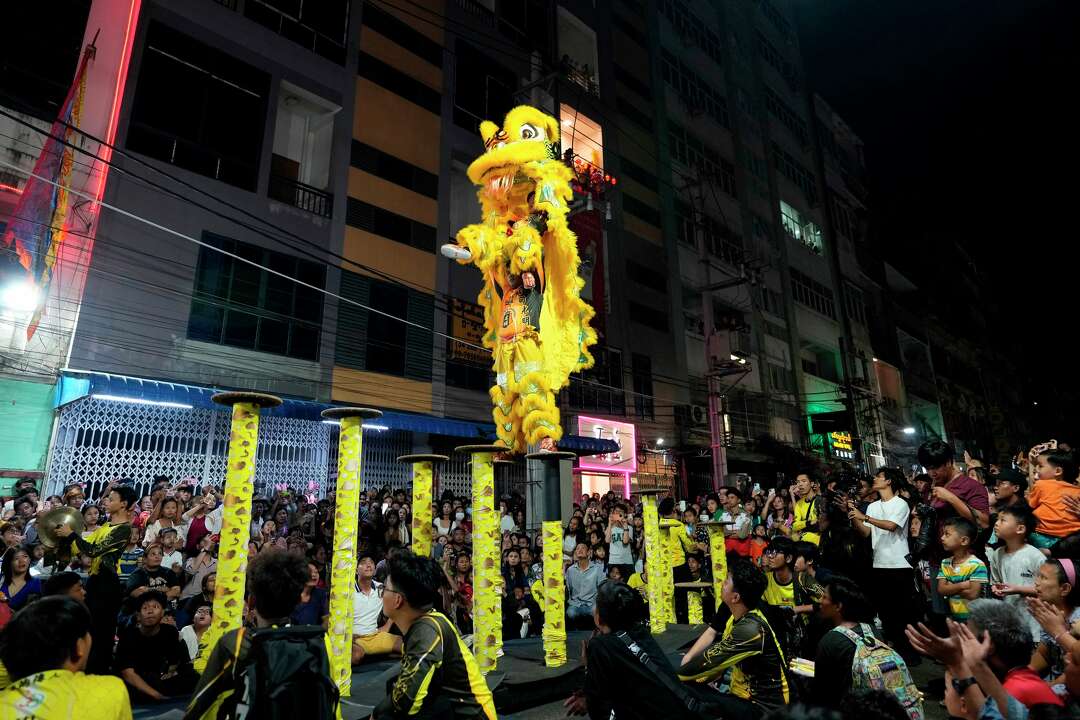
pixel 297 194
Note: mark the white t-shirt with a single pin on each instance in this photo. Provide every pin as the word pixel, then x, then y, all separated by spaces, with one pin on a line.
pixel 175 557
pixel 366 609
pixel 1018 568
pixel 890 548
pixel 507 524
pixel 620 553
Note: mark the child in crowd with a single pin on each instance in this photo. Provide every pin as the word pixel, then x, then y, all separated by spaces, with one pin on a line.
pixel 171 557
pixel 758 542
pixel 1057 480
pixel 1015 565
pixel 962 576
pixel 640 581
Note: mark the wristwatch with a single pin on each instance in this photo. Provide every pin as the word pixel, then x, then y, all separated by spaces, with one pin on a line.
pixel 961 686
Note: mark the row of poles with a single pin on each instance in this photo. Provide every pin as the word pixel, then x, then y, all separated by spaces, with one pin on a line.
pixel 487 566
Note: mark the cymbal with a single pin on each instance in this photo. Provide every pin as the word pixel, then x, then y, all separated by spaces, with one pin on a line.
pixel 47 523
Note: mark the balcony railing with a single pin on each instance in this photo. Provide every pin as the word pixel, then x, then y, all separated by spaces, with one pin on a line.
pixel 291 192
pixel 478 10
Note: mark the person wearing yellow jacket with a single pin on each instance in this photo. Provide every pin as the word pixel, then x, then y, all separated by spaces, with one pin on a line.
pixel 805 526
pixel 679 543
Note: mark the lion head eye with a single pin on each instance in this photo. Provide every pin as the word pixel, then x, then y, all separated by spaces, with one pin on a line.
pixel 529 132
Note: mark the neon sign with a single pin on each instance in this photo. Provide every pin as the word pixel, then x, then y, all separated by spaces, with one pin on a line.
pixel 624 460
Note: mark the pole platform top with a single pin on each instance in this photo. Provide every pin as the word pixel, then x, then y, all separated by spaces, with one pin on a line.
pixel 340 413
pixel 717 523
pixel 478 449
pixel 694 584
pixel 421 457
pixel 232 398
pixel 546 456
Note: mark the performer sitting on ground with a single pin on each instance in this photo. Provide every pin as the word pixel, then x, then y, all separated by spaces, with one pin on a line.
pixel 369 639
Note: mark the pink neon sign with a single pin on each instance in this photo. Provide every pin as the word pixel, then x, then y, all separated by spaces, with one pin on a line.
pixel 624 460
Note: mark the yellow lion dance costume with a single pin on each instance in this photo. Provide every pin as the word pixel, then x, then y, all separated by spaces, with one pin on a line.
pixel 535 322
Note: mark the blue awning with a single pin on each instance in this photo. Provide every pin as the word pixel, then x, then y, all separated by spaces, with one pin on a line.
pixel 77 384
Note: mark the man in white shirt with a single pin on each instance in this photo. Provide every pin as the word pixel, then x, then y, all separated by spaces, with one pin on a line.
pixel 369 639
pixel 885 522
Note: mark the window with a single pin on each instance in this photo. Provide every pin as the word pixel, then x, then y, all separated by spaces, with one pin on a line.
pixel 761 228
pixel 376 343
pixel 300 164
pixel 653 278
pixel 320 26
pixel 692 29
pixel 640 209
pixel 812 294
pixel 800 228
pixel 685 224
pixel 777 331
pixel 637 173
pixel 843 217
pixel 780 379
pixel 788 117
pixel 237 304
pixel 778 21
pixel 483 88
pixel 631 112
pixel 794 171
pixel 582 134
pixel 633 82
pixel 600 388
pixel 688 149
pixel 649 317
pixel 394 29
pixel 375 161
pixel 577 44
pixel 185 89
pixel 721 241
pixel 641 368
pixel 380 221
pixel 390 78
pixel 776 59
pixel 696 94
pixel 467 367
pixel 629 30
pixel 821 363
pixel 854 302
pixel 773 302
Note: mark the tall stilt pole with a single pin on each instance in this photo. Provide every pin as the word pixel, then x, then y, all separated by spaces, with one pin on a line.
pixel 656 557
pixel 718 555
pixel 554 577
pixel 343 561
pixel 487 568
pixel 670 541
pixel 423 474
pixel 236 516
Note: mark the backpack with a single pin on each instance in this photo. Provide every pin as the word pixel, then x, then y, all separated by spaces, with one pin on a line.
pixel 878 667
pixel 287 676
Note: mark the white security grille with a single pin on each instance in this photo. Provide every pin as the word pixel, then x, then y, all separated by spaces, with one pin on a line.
pixel 99 440
pixel 380 467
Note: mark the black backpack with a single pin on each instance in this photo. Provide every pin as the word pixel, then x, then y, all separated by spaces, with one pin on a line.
pixel 287 676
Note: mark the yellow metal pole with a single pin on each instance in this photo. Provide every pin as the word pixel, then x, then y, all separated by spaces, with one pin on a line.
pixel 670 541
pixel 656 557
pixel 695 614
pixel 487 568
pixel 718 556
pixel 554 576
pixel 343 559
pixel 236 516
pixel 423 474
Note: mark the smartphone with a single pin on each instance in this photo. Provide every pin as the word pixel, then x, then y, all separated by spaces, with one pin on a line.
pixel 682 506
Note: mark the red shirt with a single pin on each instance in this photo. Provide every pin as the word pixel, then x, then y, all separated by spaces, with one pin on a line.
pixel 1024 685
pixel 969 491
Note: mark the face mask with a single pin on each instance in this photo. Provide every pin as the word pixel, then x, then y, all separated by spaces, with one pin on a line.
pixel 459 516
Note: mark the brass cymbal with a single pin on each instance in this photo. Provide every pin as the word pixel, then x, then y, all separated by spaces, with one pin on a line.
pixel 47 523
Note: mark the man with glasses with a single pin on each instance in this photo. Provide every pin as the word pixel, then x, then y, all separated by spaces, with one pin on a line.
pixel 439 676
pixel 369 639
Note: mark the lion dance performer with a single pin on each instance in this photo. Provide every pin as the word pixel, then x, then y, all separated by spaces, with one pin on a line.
pixel 535 322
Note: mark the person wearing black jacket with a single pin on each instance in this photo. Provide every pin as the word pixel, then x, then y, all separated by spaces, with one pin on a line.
pixel 616 678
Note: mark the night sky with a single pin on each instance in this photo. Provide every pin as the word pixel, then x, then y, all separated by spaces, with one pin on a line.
pixel 967 111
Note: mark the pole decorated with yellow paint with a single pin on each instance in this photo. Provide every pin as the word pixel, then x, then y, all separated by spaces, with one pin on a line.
pixel 656 557
pixel 669 530
pixel 554 632
pixel 718 557
pixel 343 558
pixel 487 570
pixel 694 613
pixel 236 516
pixel 423 474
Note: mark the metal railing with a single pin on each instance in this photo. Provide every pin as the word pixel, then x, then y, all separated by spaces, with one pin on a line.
pixel 305 197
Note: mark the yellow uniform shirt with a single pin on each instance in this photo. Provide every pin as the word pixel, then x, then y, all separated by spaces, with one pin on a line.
pixel 806 520
pixel 779 595
pixel 637 583
pixel 678 543
pixel 62 694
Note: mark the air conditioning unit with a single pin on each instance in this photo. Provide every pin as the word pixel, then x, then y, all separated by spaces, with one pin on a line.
pixel 699 416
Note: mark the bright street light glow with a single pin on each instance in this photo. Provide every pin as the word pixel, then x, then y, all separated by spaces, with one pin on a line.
pixel 141 401
pixel 20 296
pixel 909 431
pixel 660 441
pixel 367 426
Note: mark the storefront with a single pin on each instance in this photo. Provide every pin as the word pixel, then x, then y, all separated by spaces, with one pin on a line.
pixel 610 470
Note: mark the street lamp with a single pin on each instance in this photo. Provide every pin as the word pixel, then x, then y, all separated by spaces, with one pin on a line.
pixel 660 441
pixel 909 430
pixel 20 296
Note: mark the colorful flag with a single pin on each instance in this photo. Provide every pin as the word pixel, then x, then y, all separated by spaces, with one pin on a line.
pixel 36 229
